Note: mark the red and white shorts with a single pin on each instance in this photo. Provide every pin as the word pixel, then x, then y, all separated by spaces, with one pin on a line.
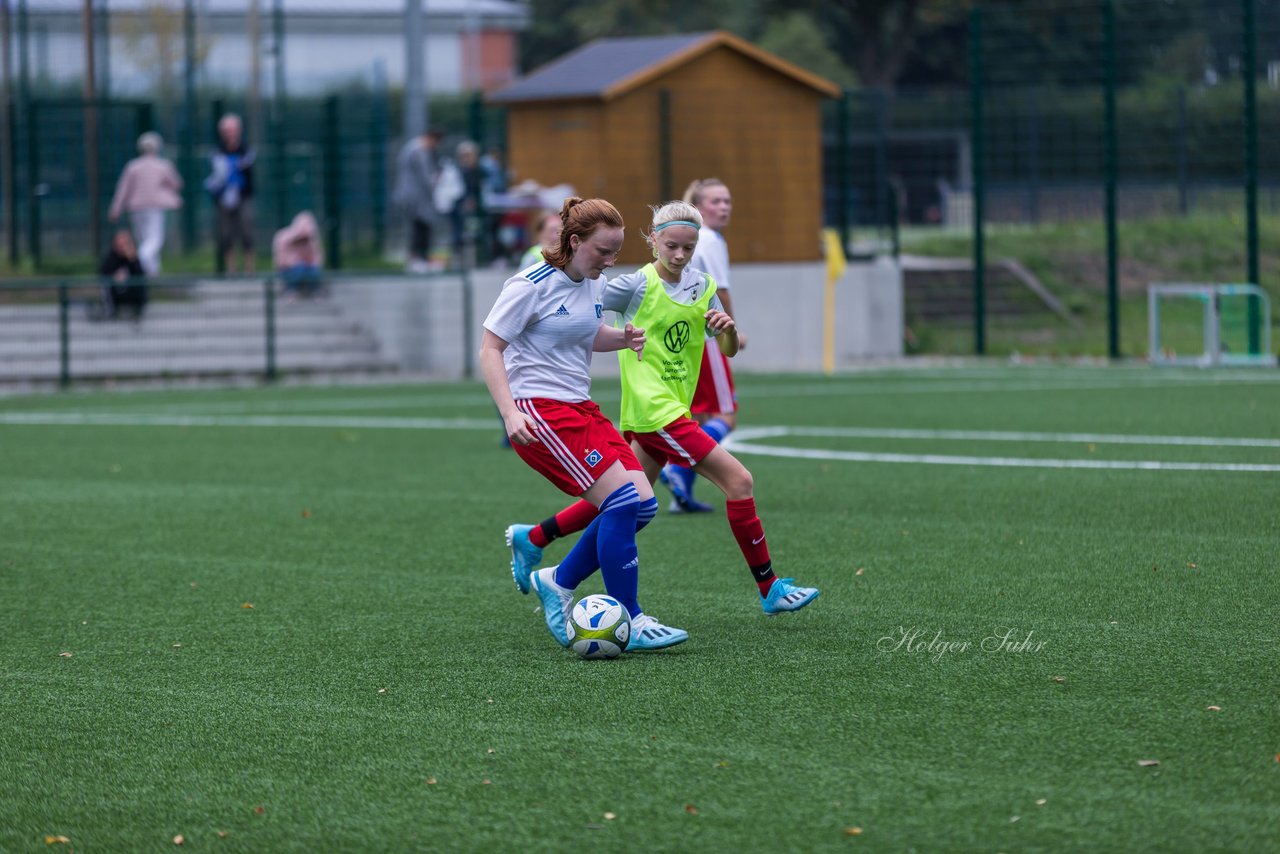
pixel 681 442
pixel 576 443
pixel 715 392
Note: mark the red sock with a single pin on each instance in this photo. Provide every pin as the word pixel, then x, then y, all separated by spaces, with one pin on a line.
pixel 749 532
pixel 576 517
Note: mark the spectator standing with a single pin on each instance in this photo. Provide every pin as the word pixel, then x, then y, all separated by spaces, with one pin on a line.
pixel 417 178
pixel 148 188
pixel 231 185
pixel 468 211
pixel 298 255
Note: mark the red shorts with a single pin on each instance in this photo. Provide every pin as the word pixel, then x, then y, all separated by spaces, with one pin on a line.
pixel 576 443
pixel 715 392
pixel 681 442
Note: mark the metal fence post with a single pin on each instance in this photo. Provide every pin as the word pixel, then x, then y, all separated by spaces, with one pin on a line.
pixel 269 313
pixel 332 183
pixel 34 189
pixel 378 168
pixel 468 335
pixel 11 197
pixel 219 257
pixel 1181 165
pixel 187 150
pixel 1111 146
pixel 64 336
pixel 843 168
pixel 977 134
pixel 1250 72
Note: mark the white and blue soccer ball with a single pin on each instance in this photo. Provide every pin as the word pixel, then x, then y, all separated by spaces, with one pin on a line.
pixel 599 627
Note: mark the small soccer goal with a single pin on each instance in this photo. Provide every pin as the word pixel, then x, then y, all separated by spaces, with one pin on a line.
pixel 1209 325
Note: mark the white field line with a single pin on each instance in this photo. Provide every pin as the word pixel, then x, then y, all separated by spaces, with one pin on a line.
pixel 1012 436
pixel 330 421
pixel 907 382
pixel 740 443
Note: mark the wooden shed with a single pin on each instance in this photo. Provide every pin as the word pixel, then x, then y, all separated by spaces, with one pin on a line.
pixel 634 120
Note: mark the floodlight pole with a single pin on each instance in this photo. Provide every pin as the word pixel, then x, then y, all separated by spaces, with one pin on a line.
pixel 415 108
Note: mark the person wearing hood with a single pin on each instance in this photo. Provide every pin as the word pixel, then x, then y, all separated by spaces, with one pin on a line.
pixel 298 255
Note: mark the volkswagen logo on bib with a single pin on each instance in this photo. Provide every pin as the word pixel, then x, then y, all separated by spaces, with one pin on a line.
pixel 677 336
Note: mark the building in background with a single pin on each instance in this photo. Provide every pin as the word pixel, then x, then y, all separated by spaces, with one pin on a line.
pixel 636 119
pixel 469 44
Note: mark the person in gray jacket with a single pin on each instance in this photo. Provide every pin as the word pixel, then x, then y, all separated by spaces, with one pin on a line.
pixel 418 170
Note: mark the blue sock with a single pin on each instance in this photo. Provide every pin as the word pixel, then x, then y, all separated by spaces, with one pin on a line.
pixel 583 559
pixel 646 513
pixel 616 547
pixel 717 428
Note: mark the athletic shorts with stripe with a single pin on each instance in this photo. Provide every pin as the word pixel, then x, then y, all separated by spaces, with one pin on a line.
pixel 681 442
pixel 576 443
pixel 715 391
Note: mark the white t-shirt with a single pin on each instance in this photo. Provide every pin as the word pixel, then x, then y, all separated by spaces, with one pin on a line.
pixel 625 294
pixel 712 255
pixel 549 323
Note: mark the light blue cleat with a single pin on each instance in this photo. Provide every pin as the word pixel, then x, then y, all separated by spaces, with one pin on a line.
pixel 785 596
pixel 525 556
pixel 556 603
pixel 647 634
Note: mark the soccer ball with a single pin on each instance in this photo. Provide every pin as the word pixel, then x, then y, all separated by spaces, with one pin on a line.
pixel 599 627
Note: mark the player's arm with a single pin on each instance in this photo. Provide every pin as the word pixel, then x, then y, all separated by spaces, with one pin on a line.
pixel 727 302
pixel 721 325
pixel 518 426
pixel 610 338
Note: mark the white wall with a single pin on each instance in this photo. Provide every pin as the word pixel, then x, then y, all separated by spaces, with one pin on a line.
pixel 780 306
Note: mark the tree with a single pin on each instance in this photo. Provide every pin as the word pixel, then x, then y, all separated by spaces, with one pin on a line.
pixel 796 37
pixel 153 38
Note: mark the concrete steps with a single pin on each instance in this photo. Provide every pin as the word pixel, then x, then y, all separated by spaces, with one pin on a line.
pixel 215 329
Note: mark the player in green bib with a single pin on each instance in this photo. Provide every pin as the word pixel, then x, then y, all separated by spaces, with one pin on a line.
pixel 677 307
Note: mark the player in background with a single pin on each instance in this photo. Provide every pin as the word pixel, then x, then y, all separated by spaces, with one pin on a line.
pixel 535 357
pixel 679 309
pixel 547 230
pixel 715 403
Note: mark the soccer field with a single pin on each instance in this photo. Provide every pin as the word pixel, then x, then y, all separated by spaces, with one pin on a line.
pixel 283 619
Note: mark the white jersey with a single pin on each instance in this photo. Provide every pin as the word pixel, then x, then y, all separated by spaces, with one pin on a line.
pixel 712 255
pixel 625 294
pixel 549 323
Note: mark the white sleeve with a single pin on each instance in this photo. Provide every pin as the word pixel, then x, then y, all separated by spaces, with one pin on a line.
pixel 624 294
pixel 712 256
pixel 515 308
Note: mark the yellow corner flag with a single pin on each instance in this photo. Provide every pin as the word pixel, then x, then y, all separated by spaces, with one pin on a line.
pixel 836 265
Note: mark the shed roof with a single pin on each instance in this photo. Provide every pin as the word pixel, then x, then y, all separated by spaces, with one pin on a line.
pixel 607 68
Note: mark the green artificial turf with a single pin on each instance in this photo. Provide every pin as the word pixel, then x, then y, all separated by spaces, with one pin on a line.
pixel 389 689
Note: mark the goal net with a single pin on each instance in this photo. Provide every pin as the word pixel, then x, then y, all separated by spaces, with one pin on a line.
pixel 1206 325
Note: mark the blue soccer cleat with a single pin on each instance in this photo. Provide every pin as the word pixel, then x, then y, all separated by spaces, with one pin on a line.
pixel 688 505
pixel 678 481
pixel 785 596
pixel 525 556
pixel 556 603
pixel 647 634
